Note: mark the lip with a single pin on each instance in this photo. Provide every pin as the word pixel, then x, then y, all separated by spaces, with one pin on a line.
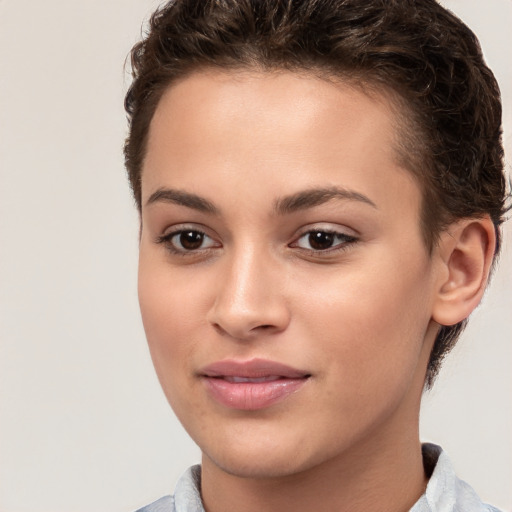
pixel 251 385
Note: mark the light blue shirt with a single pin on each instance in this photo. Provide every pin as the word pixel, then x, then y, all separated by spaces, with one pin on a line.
pixel 445 492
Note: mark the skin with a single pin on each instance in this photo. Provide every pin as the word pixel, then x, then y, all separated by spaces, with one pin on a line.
pixel 360 317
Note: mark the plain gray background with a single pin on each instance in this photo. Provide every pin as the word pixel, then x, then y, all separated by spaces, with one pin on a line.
pixel 84 426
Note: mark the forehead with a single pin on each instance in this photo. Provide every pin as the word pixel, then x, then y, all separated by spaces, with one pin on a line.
pixel 296 130
pixel 289 104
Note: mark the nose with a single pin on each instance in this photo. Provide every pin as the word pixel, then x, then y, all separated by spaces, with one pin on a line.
pixel 250 296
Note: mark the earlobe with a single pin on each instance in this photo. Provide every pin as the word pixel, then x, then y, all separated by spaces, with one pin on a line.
pixel 466 250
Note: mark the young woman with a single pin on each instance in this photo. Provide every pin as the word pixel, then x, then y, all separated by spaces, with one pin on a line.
pixel 320 185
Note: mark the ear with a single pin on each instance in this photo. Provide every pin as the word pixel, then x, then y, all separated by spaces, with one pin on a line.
pixel 465 251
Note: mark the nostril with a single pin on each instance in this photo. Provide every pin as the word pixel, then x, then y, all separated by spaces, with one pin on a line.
pixel 217 327
pixel 263 327
pixel 238 334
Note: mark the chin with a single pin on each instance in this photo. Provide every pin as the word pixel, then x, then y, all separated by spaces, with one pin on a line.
pixel 265 466
pixel 263 458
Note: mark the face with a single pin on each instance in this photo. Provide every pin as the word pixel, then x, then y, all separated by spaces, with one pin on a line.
pixel 285 288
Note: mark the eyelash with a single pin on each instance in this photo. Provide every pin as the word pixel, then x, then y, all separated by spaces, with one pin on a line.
pixel 167 241
pixel 344 244
pixel 344 241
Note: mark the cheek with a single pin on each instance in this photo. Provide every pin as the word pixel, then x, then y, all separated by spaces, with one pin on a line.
pixel 173 313
pixel 371 323
pixel 169 311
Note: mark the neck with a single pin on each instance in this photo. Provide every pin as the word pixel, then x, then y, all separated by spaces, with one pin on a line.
pixel 369 477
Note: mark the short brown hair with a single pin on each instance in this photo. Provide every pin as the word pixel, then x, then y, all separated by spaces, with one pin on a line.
pixel 416 49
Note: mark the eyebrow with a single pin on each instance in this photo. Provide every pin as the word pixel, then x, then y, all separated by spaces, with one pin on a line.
pixel 193 201
pixel 317 196
pixel 299 201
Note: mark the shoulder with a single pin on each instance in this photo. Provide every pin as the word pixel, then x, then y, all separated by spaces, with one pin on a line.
pixel 186 498
pixel 445 491
pixel 165 504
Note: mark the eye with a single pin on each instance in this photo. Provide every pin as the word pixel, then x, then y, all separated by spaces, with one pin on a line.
pixel 187 240
pixel 323 240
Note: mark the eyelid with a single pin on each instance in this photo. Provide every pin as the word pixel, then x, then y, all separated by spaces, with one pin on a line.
pixel 350 236
pixel 328 228
pixel 171 232
pixel 183 226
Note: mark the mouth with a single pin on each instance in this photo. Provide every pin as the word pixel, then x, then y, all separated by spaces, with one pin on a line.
pixel 238 379
pixel 251 385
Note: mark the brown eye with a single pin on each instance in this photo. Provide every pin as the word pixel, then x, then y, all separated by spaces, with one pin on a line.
pixel 187 241
pixel 321 240
pixel 190 240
